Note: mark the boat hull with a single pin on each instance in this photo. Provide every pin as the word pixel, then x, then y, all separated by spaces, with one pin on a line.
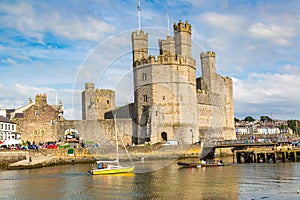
pixel 112 171
pixel 188 164
pixel 191 165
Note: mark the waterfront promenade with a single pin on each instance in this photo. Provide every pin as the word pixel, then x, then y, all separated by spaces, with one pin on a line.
pixel 50 157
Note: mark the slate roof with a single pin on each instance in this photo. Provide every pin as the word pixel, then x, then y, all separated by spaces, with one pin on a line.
pixel 6 120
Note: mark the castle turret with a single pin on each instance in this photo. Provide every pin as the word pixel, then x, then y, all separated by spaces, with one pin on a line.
pixel 208 68
pixel 139 45
pixel 182 33
pixel 167 47
pixel 88 102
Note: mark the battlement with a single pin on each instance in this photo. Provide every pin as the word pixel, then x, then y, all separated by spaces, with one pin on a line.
pixel 208 54
pixel 226 78
pixel 183 27
pixel 168 40
pixel 105 92
pixel 166 60
pixel 139 34
pixel 89 86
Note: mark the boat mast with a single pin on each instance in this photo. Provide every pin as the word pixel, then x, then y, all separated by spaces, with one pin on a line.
pixel 116 135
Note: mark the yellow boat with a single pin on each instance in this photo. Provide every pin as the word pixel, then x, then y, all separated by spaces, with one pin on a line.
pixel 110 167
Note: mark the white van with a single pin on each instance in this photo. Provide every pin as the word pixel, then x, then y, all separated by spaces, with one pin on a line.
pixel 172 142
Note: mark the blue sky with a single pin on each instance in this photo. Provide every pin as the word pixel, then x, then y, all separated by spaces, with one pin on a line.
pixel 54 47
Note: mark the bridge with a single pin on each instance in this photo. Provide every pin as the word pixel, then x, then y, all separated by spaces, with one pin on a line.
pixel 209 150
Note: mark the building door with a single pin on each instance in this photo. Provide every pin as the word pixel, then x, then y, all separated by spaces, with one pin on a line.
pixel 164 136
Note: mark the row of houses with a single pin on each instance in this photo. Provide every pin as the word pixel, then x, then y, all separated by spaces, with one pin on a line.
pixel 8 129
pixel 274 128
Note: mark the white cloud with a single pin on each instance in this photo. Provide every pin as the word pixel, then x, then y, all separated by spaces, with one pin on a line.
pixel 266 92
pixel 277 34
pixel 9 61
pixel 35 23
pixel 228 22
pixel 17 95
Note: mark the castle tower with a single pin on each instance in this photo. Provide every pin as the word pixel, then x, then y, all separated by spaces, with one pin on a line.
pixel 105 101
pixel 139 45
pixel 88 102
pixel 208 60
pixel 165 90
pixel 182 33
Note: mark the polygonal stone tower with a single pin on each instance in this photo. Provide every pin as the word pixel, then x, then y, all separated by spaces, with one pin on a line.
pixel 165 88
pixel 95 102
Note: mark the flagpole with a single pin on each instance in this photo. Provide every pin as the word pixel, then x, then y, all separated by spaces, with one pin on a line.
pixel 139 14
pixel 168 20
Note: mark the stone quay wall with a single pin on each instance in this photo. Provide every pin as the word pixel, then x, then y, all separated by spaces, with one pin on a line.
pixel 51 157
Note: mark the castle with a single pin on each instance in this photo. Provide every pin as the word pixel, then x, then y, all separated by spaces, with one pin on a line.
pixel 170 103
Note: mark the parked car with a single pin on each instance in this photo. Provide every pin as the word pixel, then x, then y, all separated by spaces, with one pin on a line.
pixel 33 147
pixel 51 146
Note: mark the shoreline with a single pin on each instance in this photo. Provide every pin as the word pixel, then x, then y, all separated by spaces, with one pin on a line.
pixel 18 160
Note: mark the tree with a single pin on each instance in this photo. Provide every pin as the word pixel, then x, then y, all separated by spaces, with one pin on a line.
pixel 265 119
pixel 292 125
pixel 236 119
pixel 249 119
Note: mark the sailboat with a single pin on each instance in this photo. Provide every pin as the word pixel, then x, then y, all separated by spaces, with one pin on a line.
pixel 112 167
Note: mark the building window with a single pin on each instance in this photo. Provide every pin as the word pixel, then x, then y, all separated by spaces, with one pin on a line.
pixel 36 113
pixel 107 101
pixel 164 98
pixel 12 127
pixel 42 132
pixel 144 76
pixel 35 132
pixel 1 126
pixel 8 126
pixel 5 126
pixel 145 98
pixel 52 122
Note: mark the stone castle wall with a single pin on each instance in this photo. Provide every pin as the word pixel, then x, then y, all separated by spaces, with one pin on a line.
pixel 100 131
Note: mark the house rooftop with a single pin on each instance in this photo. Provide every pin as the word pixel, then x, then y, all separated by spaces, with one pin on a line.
pixel 6 120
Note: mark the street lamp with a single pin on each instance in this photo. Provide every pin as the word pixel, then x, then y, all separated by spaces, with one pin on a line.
pixel 192 136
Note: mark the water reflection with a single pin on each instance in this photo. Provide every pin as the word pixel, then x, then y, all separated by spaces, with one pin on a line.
pixel 246 181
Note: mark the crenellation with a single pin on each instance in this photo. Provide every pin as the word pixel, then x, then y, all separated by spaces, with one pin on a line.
pixel 183 27
pixel 139 34
pixel 208 54
pixel 163 60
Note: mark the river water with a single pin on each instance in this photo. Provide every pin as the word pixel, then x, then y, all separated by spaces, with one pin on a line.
pixel 162 179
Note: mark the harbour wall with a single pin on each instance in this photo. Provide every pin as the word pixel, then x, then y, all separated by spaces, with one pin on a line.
pixel 51 157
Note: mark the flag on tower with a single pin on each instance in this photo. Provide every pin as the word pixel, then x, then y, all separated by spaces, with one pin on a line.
pixel 139 6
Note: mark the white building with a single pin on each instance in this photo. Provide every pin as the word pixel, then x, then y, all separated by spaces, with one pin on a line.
pixel 7 129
